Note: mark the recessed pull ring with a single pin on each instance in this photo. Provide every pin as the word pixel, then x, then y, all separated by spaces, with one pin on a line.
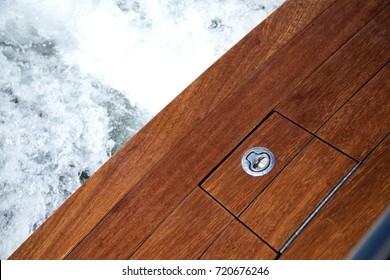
pixel 258 161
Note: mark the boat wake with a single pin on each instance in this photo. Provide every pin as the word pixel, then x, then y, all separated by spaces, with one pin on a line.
pixel 80 78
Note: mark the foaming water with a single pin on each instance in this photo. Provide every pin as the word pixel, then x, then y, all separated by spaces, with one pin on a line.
pixel 79 78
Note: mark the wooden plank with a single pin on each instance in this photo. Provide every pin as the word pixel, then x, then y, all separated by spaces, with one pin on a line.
pixel 188 231
pixel 364 121
pixel 288 201
pixel 238 243
pixel 341 224
pixel 158 195
pixel 235 189
pixel 319 97
pixel 90 203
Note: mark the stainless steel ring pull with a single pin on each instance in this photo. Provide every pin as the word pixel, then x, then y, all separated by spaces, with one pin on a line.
pixel 258 161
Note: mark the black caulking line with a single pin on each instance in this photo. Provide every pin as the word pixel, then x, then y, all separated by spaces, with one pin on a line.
pixel 352 96
pixel 236 146
pixel 318 208
pixel 316 136
pixel 236 219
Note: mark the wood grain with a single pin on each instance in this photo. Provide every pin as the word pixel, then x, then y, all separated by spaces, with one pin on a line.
pixel 341 224
pixel 364 121
pixel 238 243
pixel 90 203
pixel 284 205
pixel 147 205
pixel 188 231
pixel 235 189
pixel 320 96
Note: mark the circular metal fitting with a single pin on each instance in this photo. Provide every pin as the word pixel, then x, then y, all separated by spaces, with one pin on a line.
pixel 258 161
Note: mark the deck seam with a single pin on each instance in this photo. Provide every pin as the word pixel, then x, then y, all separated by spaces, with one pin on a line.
pixel 235 218
pixel 186 197
pixel 158 226
pixel 236 146
pixel 319 207
pixel 317 137
pixel 314 134
pixel 349 98
pixel 218 235
pixel 136 186
pixel 331 55
pixel 325 201
pixel 274 178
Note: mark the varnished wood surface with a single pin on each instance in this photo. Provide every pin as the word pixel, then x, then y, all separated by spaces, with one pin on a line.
pixel 238 243
pixel 97 197
pixel 187 232
pixel 234 188
pixel 347 217
pixel 363 122
pixel 284 205
pixel 342 75
pixel 171 182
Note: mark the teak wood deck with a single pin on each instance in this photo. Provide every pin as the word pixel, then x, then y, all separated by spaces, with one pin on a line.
pixel 312 84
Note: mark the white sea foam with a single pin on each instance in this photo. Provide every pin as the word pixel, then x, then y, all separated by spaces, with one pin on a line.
pixel 79 78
